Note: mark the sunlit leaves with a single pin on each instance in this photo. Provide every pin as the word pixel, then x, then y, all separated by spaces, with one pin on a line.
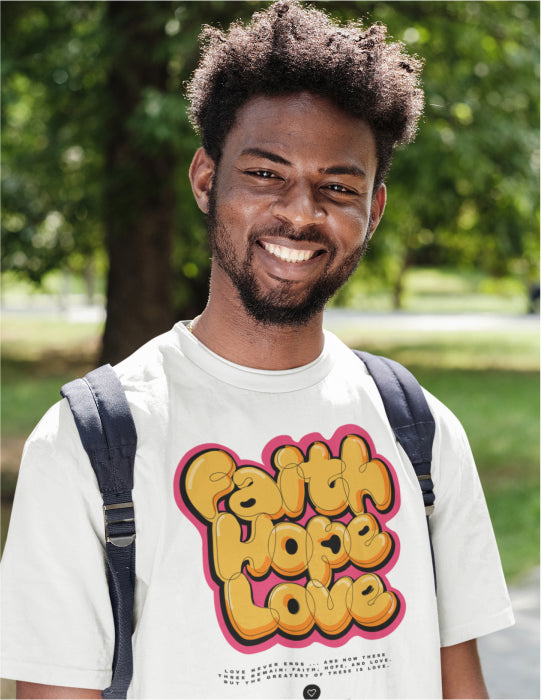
pixel 466 192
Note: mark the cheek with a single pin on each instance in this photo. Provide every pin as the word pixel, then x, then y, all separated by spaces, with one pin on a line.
pixel 351 229
pixel 238 210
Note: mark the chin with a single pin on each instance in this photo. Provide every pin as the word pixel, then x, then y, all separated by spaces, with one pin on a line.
pixel 274 314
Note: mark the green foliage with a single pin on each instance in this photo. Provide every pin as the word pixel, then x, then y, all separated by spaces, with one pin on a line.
pixel 52 79
pixel 466 193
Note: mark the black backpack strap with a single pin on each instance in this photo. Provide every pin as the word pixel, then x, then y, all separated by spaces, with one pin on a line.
pixel 107 431
pixel 410 418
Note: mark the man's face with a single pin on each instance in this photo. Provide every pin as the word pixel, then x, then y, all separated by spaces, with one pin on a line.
pixel 291 209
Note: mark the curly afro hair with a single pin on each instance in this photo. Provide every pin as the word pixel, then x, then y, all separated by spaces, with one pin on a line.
pixel 287 49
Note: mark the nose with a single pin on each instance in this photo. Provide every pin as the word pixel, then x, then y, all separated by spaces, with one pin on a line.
pixel 298 205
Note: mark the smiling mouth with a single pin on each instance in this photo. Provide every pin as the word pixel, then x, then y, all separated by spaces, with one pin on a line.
pixel 290 255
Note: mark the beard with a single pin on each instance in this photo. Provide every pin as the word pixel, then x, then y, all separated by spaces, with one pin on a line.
pixel 284 306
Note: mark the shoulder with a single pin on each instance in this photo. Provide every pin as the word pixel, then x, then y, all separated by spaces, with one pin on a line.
pixel 55 433
pixel 140 374
pixel 449 429
pixel 149 363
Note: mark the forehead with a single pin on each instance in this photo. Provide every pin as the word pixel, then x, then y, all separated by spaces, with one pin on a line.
pixel 302 126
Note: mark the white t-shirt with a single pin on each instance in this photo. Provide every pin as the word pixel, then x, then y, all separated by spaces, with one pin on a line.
pixel 281 539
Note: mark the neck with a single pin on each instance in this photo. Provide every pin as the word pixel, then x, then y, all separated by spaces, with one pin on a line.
pixel 227 329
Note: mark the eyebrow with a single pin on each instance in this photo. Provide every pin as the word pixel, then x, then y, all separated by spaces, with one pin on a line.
pixel 269 155
pixel 343 170
pixel 332 170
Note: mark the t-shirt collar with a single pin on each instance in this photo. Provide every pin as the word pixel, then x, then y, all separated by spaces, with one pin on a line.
pixel 271 381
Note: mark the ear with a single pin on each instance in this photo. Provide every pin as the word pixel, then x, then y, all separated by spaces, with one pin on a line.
pixel 377 208
pixel 201 174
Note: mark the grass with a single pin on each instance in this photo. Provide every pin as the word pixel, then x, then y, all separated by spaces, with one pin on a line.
pixel 499 410
pixel 38 356
pixel 474 350
pixel 35 338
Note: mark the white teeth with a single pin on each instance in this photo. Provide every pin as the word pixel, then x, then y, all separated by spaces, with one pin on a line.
pixel 289 255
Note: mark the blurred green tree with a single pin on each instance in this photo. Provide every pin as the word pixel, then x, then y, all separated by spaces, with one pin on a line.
pixel 96 147
pixel 466 193
pixel 53 73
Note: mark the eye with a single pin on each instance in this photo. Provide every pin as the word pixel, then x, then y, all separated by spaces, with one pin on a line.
pixel 264 174
pixel 339 189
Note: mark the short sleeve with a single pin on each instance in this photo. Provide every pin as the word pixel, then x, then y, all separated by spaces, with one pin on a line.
pixel 472 595
pixel 56 612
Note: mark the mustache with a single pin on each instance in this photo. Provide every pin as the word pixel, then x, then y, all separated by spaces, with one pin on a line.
pixel 310 233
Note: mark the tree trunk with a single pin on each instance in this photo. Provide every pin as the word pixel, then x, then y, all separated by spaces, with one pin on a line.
pixel 139 199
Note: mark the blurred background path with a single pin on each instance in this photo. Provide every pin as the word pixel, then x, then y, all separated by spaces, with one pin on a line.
pixel 337 319
pixel 510 658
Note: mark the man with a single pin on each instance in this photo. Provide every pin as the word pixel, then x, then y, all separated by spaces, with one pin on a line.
pixel 269 563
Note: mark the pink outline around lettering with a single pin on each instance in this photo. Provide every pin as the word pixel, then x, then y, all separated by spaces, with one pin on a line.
pixel 383 518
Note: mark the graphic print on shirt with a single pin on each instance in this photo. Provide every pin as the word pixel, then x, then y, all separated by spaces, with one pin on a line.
pixel 296 548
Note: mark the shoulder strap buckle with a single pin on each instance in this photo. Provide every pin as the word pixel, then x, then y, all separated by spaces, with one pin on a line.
pixel 119 539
